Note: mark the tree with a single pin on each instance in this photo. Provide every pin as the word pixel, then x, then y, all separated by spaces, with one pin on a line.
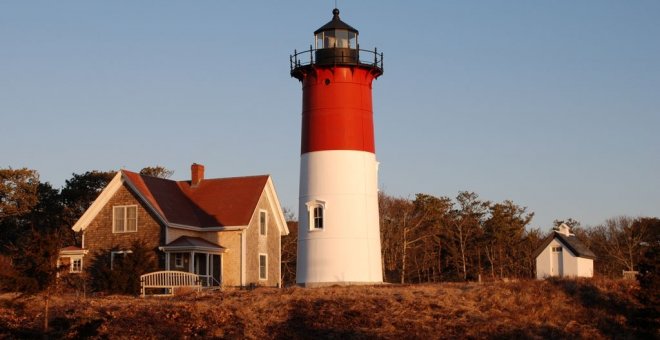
pixel 625 239
pixel 465 229
pixel 18 191
pixel 157 171
pixel 80 191
pixel 503 232
pixel 649 266
pixel 289 249
pixel 34 259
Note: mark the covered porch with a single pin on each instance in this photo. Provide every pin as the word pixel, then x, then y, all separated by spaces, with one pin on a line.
pixel 195 255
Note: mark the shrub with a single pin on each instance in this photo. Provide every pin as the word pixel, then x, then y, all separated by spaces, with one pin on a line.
pixel 121 275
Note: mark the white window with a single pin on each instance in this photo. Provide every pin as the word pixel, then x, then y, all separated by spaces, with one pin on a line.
pixel 263 267
pixel 316 214
pixel 263 219
pixel 124 218
pixel 76 265
pixel 116 254
pixel 556 249
pixel 178 260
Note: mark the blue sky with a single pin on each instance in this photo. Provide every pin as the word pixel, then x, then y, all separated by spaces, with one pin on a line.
pixel 552 104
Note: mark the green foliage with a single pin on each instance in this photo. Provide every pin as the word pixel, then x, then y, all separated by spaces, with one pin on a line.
pixel 18 191
pixel 121 275
pixel 34 261
pixel 80 191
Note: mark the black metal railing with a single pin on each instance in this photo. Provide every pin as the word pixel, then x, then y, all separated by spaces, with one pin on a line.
pixel 337 56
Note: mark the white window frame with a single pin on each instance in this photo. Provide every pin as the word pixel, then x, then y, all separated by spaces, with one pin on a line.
pixel 311 214
pixel 265 256
pixel 124 209
pixel 556 249
pixel 72 267
pixel 263 228
pixel 118 252
pixel 178 260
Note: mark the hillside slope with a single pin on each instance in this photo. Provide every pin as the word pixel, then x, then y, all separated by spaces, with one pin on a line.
pixel 530 309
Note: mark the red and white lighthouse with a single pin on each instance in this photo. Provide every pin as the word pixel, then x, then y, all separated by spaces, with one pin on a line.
pixel 339 233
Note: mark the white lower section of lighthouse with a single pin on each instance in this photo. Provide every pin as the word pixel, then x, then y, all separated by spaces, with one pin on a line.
pixel 339 234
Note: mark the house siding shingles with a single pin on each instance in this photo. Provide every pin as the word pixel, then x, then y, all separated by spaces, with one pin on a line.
pixel 99 235
pixel 231 259
pixel 257 244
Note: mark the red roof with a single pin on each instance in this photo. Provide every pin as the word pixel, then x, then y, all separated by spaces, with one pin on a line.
pixel 218 202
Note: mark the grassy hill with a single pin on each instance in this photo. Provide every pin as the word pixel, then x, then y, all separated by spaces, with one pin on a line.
pixel 527 309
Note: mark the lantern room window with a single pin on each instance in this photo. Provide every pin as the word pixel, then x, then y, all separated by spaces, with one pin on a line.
pixel 338 38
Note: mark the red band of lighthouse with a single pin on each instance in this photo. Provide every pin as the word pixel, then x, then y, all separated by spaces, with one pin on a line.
pixel 337 109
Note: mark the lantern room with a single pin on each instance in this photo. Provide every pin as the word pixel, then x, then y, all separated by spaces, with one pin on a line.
pixel 336 34
pixel 336 42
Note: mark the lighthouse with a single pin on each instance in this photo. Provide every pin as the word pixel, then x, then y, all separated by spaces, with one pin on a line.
pixel 338 230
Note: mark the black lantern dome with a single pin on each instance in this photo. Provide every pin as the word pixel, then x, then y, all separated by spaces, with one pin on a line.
pixel 335 43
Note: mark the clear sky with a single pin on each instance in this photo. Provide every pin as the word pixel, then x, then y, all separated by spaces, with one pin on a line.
pixel 552 104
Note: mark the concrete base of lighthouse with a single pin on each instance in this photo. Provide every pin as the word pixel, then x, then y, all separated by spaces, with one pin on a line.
pixel 346 251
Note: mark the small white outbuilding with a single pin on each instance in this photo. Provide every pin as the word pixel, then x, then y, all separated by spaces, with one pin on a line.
pixel 563 255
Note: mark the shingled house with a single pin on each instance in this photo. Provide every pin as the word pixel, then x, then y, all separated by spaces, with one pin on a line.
pixel 563 255
pixel 226 230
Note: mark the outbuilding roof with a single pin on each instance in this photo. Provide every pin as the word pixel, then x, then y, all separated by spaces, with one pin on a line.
pixel 569 241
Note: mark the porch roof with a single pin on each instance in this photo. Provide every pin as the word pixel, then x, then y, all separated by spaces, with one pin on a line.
pixel 189 243
pixel 73 250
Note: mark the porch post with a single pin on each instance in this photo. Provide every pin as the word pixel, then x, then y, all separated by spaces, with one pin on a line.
pixel 192 262
pixel 167 261
pixel 207 264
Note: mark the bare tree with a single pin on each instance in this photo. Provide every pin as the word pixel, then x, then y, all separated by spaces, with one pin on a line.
pixel 466 227
pixel 157 171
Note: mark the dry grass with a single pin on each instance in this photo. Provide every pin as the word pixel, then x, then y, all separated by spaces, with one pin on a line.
pixel 529 309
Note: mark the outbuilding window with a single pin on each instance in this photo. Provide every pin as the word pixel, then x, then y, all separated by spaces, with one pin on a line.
pixel 124 218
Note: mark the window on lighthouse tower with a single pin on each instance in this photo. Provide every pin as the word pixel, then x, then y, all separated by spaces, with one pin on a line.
pixel 316 210
pixel 318 217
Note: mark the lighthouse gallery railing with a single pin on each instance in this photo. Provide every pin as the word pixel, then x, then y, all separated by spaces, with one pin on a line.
pixel 306 57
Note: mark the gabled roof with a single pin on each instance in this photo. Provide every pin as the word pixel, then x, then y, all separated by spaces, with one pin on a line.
pixel 220 202
pixel 213 204
pixel 569 241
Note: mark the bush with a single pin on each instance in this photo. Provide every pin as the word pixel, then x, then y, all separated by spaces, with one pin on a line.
pixel 121 275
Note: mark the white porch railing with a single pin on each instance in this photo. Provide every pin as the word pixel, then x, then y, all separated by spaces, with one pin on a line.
pixel 169 280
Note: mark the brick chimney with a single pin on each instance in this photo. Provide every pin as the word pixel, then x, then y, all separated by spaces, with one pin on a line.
pixel 197 171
